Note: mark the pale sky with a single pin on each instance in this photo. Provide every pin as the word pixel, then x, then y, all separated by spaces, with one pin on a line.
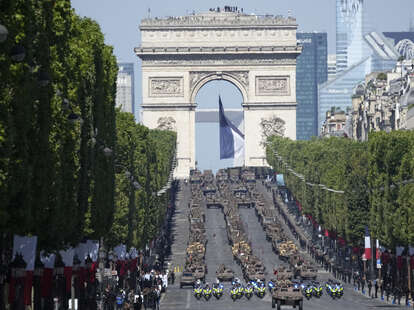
pixel 119 21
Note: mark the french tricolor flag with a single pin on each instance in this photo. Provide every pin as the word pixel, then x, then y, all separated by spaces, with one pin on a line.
pixel 367 244
pixel 231 139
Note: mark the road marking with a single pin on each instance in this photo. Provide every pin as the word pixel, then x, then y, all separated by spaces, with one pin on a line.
pixel 187 306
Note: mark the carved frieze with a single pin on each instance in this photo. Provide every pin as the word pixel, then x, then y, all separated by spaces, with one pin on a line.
pixel 272 86
pixel 166 123
pixel 166 86
pixel 218 62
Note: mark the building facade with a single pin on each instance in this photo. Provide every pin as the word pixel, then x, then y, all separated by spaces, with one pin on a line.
pixel 359 52
pixel 336 124
pixel 384 102
pixel 350 29
pixel 125 95
pixel 331 67
pixel 311 71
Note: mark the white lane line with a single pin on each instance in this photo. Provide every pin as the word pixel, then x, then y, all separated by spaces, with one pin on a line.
pixel 187 306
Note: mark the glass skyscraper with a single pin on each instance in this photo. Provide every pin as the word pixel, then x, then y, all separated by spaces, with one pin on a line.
pixel 350 29
pixel 358 53
pixel 125 97
pixel 311 70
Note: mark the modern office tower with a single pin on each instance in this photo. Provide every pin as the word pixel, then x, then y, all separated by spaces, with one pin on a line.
pixel 350 31
pixel 311 71
pixel 358 53
pixel 125 97
pixel 331 66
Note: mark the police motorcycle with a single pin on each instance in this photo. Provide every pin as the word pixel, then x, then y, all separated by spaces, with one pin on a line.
pixel 339 290
pixel 271 285
pixel 198 290
pixel 207 292
pixel 331 289
pixel 248 291
pixel 260 289
pixel 307 290
pixel 317 289
pixel 217 289
pixel 233 292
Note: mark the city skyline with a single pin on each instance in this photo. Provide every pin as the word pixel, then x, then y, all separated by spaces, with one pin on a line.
pixel 123 32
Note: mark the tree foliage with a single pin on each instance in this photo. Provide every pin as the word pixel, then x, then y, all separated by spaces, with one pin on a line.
pixel 370 173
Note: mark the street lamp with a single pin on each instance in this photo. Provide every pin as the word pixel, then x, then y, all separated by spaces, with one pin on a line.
pixel 3 33
pixel 18 53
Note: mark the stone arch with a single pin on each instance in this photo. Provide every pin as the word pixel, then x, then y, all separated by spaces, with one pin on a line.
pixel 197 84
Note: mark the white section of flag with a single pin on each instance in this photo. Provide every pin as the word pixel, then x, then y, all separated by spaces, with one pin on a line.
pixel 238 149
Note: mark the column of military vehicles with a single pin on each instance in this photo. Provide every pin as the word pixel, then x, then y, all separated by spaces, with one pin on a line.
pixel 230 190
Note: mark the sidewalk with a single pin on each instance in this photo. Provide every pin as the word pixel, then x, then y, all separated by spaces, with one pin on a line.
pixel 180 229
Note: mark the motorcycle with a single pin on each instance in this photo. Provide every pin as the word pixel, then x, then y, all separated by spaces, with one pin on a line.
pixel 207 293
pixel 240 291
pixel 248 291
pixel 271 285
pixel 317 290
pixel 198 292
pixel 233 293
pixel 261 290
pixel 308 292
pixel 218 291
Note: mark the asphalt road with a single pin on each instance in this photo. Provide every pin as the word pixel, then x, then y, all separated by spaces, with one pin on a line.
pixel 219 251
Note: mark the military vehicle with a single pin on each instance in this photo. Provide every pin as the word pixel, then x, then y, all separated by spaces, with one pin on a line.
pixel 284 273
pixel 224 273
pixel 187 279
pixel 307 272
pixel 287 295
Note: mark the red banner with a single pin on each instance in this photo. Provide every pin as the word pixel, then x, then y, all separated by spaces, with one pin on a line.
pixel 399 262
pixel 67 271
pixel 12 290
pixel 28 283
pixel 46 282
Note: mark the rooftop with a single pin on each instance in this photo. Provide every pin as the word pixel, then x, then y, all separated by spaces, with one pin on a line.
pixel 215 18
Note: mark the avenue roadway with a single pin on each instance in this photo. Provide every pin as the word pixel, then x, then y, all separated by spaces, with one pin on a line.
pixel 219 252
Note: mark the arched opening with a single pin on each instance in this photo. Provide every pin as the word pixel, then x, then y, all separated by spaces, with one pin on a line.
pixel 207 140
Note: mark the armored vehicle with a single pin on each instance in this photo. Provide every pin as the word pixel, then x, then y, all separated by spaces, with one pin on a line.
pixel 287 295
pixel 307 272
pixel 224 273
pixel 187 279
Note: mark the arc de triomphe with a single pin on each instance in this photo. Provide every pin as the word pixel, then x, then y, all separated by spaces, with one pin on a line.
pixel 181 54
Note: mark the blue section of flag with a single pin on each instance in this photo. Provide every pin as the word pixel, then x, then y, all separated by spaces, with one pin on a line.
pixel 227 131
pixel 366 231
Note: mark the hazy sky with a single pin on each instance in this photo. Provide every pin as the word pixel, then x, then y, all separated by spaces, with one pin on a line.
pixel 119 21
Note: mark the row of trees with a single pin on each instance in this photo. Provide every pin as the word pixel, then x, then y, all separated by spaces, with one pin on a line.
pixel 143 165
pixel 373 176
pixel 60 146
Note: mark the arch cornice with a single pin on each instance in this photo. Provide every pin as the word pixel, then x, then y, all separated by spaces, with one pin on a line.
pixel 198 79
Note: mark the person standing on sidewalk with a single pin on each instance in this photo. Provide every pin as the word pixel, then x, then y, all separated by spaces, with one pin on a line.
pixel 369 288
pixel 376 287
